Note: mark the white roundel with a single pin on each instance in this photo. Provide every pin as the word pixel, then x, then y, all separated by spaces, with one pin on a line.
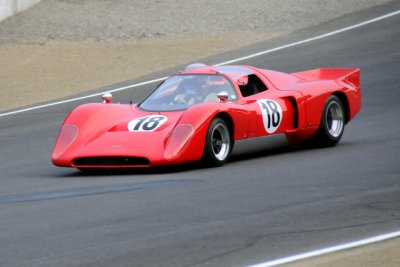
pixel 271 114
pixel 146 124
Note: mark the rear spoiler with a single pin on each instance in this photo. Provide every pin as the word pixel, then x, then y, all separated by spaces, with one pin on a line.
pixel 350 75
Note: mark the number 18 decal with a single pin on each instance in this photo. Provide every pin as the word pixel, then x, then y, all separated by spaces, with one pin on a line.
pixel 146 124
pixel 271 114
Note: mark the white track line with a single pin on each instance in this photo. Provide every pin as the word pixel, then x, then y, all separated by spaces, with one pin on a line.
pixel 312 38
pixel 82 97
pixel 223 63
pixel 324 251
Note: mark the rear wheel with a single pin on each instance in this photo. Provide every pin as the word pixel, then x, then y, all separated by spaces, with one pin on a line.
pixel 332 123
pixel 218 143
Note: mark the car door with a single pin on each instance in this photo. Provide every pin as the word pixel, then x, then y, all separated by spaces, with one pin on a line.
pixel 272 111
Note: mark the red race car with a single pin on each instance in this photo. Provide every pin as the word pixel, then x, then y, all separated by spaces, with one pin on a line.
pixel 198 114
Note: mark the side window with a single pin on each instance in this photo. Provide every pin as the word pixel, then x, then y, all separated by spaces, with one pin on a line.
pixel 253 86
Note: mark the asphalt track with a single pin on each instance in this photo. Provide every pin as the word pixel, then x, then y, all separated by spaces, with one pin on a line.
pixel 260 206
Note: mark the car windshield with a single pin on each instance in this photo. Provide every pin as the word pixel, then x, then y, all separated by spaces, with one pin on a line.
pixel 181 91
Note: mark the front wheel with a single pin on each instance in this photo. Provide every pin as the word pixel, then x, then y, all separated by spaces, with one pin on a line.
pixel 332 123
pixel 218 143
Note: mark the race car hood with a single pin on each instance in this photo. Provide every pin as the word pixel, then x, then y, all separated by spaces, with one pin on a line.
pixel 113 130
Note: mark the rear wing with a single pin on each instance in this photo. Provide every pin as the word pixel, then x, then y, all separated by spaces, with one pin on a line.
pixel 350 75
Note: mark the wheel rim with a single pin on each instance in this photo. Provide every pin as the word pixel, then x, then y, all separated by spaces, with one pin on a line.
pixel 334 119
pixel 220 141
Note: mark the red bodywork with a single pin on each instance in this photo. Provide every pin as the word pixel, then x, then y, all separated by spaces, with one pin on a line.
pixel 97 135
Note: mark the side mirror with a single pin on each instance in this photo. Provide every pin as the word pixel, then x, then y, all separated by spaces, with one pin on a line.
pixel 107 98
pixel 223 97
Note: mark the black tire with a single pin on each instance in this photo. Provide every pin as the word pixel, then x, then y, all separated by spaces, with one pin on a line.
pixel 332 123
pixel 218 143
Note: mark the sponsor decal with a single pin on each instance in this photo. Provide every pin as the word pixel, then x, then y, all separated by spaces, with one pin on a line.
pixel 147 124
pixel 271 114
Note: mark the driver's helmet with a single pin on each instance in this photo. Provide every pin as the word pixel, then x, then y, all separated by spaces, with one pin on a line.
pixel 196 84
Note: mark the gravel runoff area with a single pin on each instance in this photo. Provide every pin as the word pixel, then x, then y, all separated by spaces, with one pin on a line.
pixel 109 20
pixel 63 47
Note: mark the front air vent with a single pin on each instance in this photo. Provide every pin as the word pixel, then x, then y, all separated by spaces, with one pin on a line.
pixel 111 161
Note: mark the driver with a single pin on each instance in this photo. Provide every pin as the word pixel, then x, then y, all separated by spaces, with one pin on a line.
pixel 196 90
pixel 203 85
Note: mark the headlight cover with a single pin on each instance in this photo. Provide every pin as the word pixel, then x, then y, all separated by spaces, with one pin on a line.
pixel 66 137
pixel 177 141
